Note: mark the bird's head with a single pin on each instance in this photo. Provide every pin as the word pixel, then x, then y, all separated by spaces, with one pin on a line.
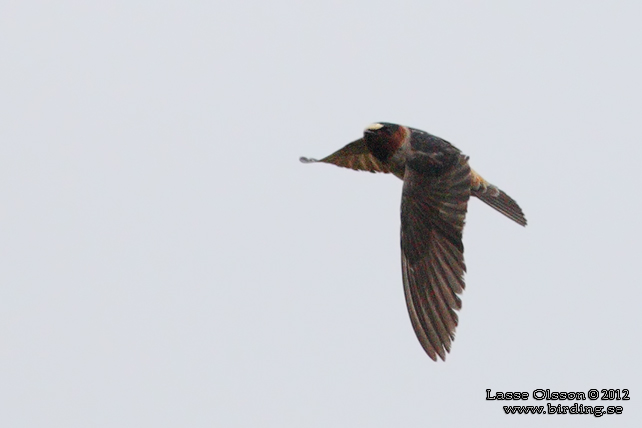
pixel 384 139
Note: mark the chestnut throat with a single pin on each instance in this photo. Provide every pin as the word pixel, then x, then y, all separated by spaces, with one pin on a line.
pixel 383 145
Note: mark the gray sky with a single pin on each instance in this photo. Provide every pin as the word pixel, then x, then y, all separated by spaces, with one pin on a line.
pixel 168 262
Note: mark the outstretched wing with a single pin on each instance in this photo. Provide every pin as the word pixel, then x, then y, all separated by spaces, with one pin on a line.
pixel 355 156
pixel 433 209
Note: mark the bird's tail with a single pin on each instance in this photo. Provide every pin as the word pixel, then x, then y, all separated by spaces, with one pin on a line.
pixel 496 198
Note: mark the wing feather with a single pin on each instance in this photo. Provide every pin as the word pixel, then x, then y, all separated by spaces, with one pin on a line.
pixel 354 156
pixel 433 210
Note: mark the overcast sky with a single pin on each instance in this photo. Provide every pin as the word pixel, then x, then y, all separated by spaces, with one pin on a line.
pixel 166 261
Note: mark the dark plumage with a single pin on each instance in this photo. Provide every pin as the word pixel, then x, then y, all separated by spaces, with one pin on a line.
pixel 438 183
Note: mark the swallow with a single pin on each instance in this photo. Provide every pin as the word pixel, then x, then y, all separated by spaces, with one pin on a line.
pixel 437 184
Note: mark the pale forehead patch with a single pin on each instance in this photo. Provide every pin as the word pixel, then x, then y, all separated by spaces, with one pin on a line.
pixel 374 127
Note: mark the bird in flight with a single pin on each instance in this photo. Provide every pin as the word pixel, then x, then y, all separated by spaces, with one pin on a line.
pixel 437 183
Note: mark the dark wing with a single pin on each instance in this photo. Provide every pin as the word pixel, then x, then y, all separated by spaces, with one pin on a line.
pixel 497 199
pixel 433 209
pixel 355 156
